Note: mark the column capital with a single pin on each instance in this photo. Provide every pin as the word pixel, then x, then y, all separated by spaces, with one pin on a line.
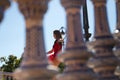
pixel 4 4
pixel 33 9
pixel 117 1
pixel 99 2
pixel 72 3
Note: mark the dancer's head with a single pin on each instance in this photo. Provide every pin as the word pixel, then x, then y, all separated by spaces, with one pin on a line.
pixel 57 34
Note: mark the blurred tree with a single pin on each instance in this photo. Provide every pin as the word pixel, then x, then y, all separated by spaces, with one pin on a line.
pixel 9 64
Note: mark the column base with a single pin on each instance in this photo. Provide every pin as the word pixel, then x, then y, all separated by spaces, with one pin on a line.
pixel 75 61
pixel 34 74
pixel 32 69
pixel 75 76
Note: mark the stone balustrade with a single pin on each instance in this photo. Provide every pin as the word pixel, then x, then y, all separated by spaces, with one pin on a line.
pixel 76 54
pixel 6 76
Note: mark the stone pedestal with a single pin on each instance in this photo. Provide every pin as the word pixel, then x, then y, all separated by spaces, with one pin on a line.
pixel 34 61
pixel 104 61
pixel 76 54
pixel 4 4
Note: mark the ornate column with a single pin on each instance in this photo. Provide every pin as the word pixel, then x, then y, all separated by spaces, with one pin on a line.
pixel 104 61
pixel 33 66
pixel 76 54
pixel 117 35
pixel 4 4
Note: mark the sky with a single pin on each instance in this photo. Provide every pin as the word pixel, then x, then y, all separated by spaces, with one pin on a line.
pixel 12 28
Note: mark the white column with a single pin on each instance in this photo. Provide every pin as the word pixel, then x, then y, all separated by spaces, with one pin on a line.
pixel 104 61
pixel 33 66
pixel 76 54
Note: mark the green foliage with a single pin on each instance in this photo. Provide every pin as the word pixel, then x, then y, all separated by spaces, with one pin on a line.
pixel 10 63
pixel 61 67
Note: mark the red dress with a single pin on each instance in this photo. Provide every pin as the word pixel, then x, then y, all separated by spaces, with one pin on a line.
pixel 55 50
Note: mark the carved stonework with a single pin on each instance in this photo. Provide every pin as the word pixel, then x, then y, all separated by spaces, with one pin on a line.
pixel 76 54
pixel 104 61
pixel 4 4
pixel 34 62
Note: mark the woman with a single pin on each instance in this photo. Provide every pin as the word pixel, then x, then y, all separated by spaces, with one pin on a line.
pixel 57 47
